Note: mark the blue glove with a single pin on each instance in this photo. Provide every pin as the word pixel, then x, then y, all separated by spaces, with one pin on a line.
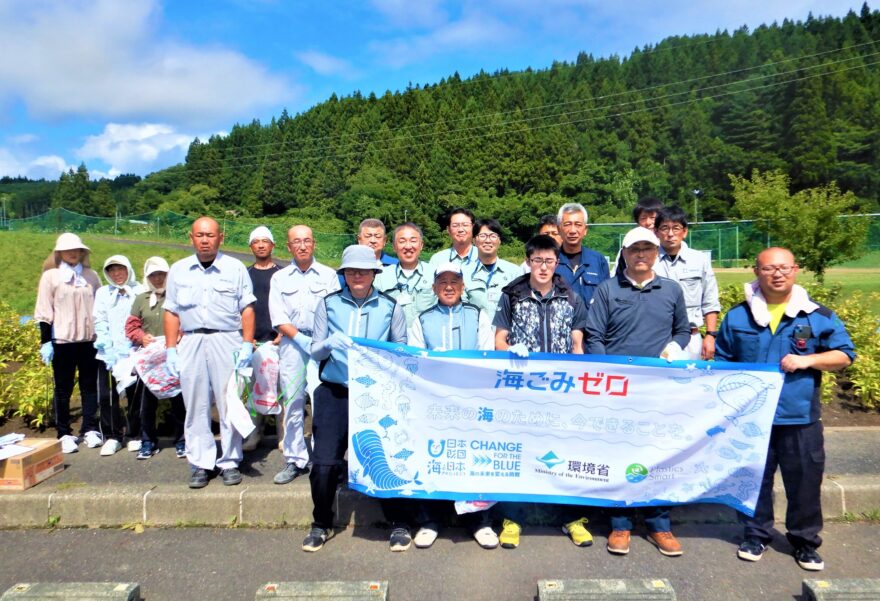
pixel 110 359
pixel 520 350
pixel 244 355
pixel 100 344
pixel 172 362
pixel 47 351
pixel 339 342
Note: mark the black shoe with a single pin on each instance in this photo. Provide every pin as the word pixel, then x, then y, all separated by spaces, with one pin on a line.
pixel 809 559
pixel 751 549
pixel 198 478
pixel 290 473
pixel 231 476
pixel 316 539
pixel 400 539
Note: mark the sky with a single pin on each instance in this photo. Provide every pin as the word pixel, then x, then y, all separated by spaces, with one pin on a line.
pixel 125 85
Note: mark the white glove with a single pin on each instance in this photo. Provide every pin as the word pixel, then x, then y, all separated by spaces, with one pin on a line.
pixel 244 355
pixel 337 341
pixel 673 352
pixel 520 350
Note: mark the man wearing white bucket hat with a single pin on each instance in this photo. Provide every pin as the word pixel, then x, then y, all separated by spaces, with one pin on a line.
pixel 356 310
pixel 208 297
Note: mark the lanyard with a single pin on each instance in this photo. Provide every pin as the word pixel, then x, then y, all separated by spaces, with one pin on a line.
pixel 407 287
pixel 491 273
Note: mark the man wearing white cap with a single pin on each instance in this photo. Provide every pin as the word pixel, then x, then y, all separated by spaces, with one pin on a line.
pixel 208 297
pixel 356 310
pixel 264 267
pixel 296 291
pixel 638 313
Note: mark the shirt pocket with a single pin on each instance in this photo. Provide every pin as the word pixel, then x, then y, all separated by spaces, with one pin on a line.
pixel 691 286
pixel 186 296
pixel 803 346
pixel 226 297
pixel 590 279
pixel 746 345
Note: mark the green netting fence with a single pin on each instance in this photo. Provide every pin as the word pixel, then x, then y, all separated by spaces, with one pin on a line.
pixel 731 243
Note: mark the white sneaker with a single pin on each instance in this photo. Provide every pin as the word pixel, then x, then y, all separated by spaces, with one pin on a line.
pixel 110 447
pixel 69 443
pixel 93 439
pixel 425 537
pixel 133 446
pixel 486 537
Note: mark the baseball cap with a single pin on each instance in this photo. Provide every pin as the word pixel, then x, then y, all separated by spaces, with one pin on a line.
pixel 639 234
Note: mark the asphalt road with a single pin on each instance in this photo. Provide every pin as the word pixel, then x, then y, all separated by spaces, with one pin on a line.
pixel 221 564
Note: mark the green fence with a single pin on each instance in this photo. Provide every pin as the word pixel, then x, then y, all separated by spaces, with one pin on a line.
pixel 732 244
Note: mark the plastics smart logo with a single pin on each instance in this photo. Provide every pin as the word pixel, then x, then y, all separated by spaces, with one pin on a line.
pixel 636 472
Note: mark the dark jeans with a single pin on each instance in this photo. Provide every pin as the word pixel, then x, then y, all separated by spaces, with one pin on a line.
pixel 149 407
pixel 75 359
pixel 656 519
pixel 330 440
pixel 799 452
pixel 112 423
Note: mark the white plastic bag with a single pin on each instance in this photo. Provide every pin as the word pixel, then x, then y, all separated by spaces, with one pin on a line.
pixel 149 363
pixel 236 413
pixel 263 398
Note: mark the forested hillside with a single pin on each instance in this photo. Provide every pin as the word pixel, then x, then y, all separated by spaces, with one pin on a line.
pixel 668 120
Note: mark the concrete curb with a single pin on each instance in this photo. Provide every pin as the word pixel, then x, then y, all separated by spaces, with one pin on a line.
pixel 268 505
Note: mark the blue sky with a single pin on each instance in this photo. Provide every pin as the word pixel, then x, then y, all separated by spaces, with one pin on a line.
pixel 125 85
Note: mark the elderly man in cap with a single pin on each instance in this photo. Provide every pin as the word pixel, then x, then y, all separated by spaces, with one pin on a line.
pixel 295 293
pixel 208 298
pixel 409 281
pixel 780 323
pixel 356 310
pixel 638 313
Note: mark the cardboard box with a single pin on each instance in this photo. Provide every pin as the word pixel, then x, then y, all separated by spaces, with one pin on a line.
pixel 29 469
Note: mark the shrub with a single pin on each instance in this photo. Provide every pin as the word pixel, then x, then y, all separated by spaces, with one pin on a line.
pixel 26 383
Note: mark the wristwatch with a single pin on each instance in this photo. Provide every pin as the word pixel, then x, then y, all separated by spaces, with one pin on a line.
pixel 712 333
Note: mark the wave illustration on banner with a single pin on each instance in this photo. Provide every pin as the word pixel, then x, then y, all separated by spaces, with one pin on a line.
pixel 371 455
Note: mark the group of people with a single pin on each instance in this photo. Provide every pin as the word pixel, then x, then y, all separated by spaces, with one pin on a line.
pixel 661 300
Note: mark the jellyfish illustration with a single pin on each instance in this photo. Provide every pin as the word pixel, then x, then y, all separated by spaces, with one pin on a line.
pixel 742 392
pixel 403 406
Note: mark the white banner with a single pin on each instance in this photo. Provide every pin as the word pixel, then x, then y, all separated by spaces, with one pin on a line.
pixel 575 429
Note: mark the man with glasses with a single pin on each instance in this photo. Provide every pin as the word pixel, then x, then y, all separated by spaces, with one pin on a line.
pixel 540 313
pixel 295 291
pixel 582 268
pixel 408 282
pixel 780 323
pixel 693 271
pixel 460 229
pixel 485 279
pixel 639 314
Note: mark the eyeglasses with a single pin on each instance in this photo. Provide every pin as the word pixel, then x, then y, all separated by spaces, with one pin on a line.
pixel 463 225
pixel 675 229
pixel 771 269
pixel 538 261
pixel 493 236
pixel 301 242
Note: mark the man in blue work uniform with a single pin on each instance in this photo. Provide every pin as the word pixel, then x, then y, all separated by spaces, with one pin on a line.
pixel 488 275
pixel 639 314
pixel 295 292
pixel 780 323
pixel 356 310
pixel 208 299
pixel 409 281
pixel 582 268
pixel 461 233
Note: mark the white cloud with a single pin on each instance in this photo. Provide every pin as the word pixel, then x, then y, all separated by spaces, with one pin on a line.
pixel 325 64
pixel 135 148
pixel 106 58
pixel 22 139
pixel 41 167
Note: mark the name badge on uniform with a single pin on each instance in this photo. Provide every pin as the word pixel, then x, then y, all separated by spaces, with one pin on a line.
pixel 494 295
pixel 404 298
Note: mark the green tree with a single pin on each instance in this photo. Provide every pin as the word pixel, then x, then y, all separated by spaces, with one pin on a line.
pixel 809 223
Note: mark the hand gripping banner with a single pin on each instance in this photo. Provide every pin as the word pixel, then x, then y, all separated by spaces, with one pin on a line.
pixel 575 429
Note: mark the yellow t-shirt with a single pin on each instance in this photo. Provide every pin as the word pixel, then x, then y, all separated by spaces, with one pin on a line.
pixel 776 313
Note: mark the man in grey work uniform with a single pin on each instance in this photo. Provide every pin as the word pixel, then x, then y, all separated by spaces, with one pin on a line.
pixel 208 299
pixel 639 314
pixel 408 282
pixel 692 269
pixel 294 293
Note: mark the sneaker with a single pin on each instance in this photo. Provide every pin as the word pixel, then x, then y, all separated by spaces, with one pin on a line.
pixel 751 549
pixel 111 447
pixel 666 543
pixel 618 542
pixel 400 539
pixel 290 473
pixel 578 533
pixel 69 443
pixel 509 537
pixel 316 539
pixel 180 449
pixel 425 537
pixel 231 476
pixel 198 478
pixel 133 446
pixel 486 537
pixel 93 439
pixel 809 559
pixel 147 450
